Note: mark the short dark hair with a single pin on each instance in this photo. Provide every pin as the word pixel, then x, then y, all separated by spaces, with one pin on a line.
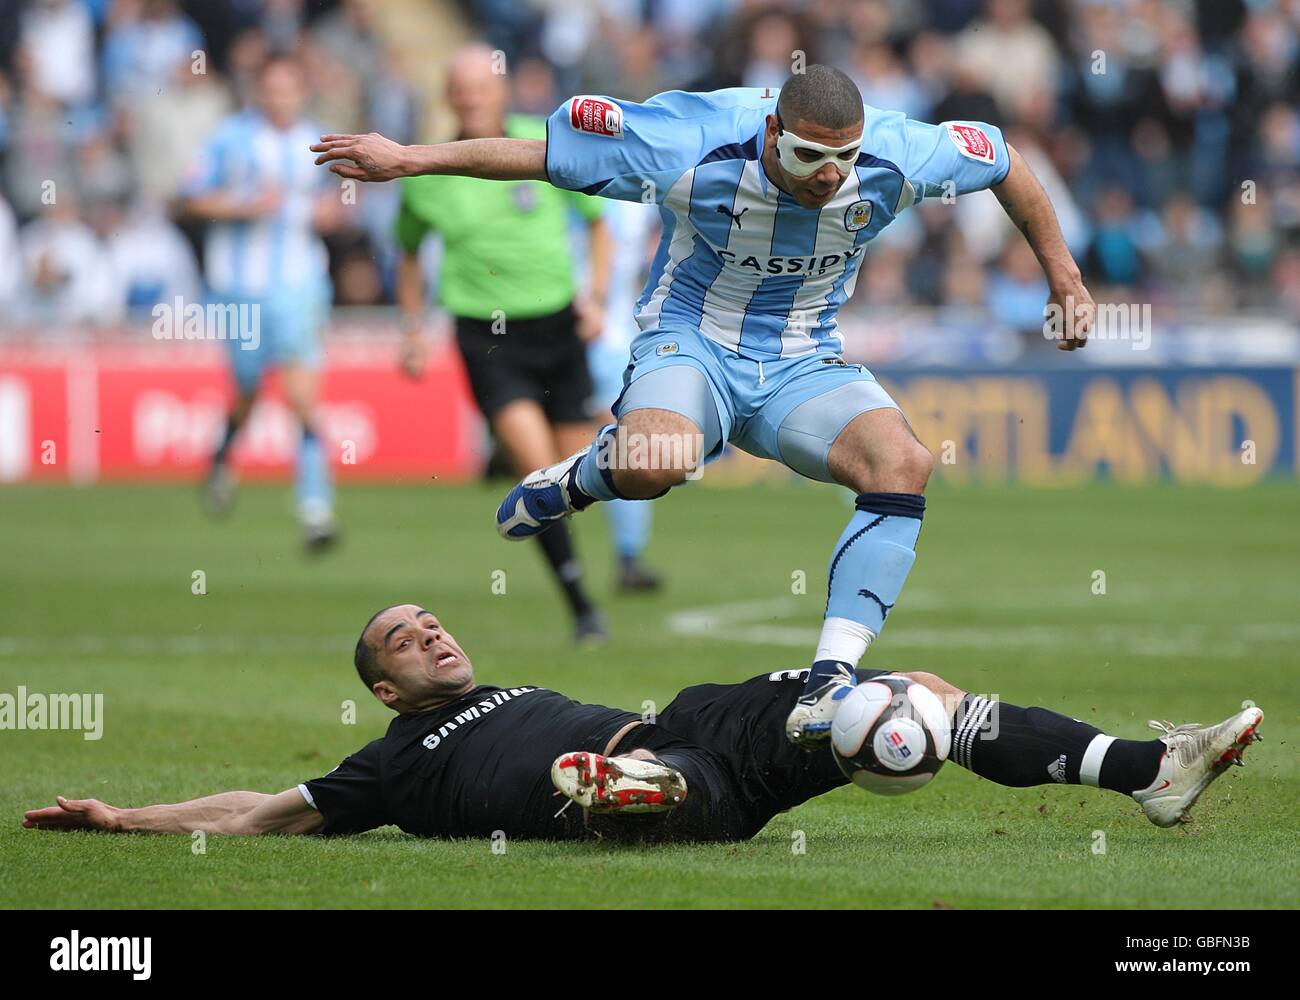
pixel 366 656
pixel 821 95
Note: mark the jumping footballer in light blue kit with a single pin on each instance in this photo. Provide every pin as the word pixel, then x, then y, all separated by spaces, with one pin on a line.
pixel 768 201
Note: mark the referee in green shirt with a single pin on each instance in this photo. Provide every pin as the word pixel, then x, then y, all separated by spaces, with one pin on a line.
pixel 507 279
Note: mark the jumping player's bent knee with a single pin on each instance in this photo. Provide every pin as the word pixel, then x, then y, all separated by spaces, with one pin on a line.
pixel 914 468
pixel 877 453
pixel 653 451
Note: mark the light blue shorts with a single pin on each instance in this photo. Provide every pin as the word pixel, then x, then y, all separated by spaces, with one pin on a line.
pixel 790 410
pixel 287 332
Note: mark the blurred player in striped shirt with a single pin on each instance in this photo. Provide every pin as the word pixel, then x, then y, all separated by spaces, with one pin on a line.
pixel 265 207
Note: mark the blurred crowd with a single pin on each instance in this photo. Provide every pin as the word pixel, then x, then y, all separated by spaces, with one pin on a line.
pixel 1167 132
pixel 104 105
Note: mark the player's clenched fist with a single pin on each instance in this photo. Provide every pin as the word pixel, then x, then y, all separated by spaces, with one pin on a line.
pixel 1070 313
pixel 373 157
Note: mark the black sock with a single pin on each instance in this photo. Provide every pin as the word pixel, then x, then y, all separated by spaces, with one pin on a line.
pixel 579 499
pixel 558 546
pixel 227 439
pixel 1020 747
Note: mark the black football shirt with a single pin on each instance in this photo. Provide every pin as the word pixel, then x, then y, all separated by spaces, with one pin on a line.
pixel 468 769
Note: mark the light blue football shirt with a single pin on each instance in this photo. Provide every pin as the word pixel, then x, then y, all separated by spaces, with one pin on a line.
pixel 740 260
pixel 282 252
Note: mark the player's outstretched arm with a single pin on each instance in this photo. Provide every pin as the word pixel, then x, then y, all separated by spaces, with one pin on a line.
pixel 375 158
pixel 233 813
pixel 1030 209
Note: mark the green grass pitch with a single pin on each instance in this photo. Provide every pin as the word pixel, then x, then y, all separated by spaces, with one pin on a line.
pixel 244 686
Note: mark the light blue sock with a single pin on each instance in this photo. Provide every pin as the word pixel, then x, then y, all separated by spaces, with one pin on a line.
pixel 867 571
pixel 593 475
pixel 629 523
pixel 312 485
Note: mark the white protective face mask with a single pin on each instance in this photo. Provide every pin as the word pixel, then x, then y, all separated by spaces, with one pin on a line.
pixel 787 142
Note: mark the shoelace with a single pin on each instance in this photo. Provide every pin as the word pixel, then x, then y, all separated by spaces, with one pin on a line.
pixel 1169 729
pixel 843 677
pixel 1187 750
pixel 567 803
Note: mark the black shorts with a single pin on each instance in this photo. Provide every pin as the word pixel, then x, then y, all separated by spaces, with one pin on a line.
pixel 729 741
pixel 540 359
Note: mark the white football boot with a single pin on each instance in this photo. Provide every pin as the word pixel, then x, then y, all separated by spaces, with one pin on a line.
pixel 1196 756
pixel 617 784
pixel 808 726
pixel 319 530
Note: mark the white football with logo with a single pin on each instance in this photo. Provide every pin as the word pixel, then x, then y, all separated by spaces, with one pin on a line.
pixel 890 735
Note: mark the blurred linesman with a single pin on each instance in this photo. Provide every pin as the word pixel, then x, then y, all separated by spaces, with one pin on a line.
pixel 507 278
pixel 265 208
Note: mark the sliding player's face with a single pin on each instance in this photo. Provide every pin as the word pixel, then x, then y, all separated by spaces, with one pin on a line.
pixel 421 660
pixel 815 189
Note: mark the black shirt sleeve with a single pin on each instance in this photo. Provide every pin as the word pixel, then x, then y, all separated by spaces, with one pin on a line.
pixel 349 797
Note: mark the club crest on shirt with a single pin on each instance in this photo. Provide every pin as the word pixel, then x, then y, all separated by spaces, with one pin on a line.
pixel 665 349
pixel 857 216
pixel 971 142
pixel 597 115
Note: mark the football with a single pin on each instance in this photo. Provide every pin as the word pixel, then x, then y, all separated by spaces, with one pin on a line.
pixel 890 735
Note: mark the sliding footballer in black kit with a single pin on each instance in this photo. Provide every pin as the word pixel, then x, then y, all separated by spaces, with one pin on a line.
pixel 469 760
pixel 714 765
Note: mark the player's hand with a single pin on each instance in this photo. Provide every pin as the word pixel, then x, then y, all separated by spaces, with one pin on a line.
pixel 1072 302
pixel 265 202
pixel 591 318
pixel 414 353
pixel 73 814
pixel 373 157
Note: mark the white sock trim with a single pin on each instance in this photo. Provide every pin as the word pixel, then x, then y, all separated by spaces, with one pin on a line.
pixel 968 730
pixel 844 640
pixel 1090 767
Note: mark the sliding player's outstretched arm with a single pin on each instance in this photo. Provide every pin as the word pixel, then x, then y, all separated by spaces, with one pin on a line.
pixel 233 813
pixel 372 157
